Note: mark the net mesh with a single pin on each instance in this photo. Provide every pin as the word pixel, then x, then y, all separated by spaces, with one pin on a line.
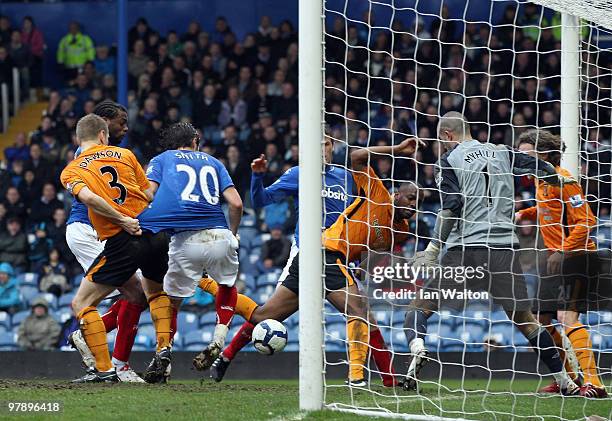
pixel 392 68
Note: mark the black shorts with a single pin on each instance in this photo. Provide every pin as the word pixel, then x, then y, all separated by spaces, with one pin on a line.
pixel 495 271
pixel 124 254
pixel 570 289
pixel 337 274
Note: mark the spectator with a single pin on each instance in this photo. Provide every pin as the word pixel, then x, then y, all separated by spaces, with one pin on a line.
pixel 39 331
pixel 19 150
pixel 275 251
pixel 5 30
pixel 6 66
pixel 42 210
pixel 233 109
pixel 74 50
pixel 56 232
pixel 33 38
pixel 29 188
pixel 206 108
pixel 22 57
pixel 15 208
pixel 137 61
pixel 140 31
pixel 14 245
pixel 39 248
pixel 104 62
pixel 238 169
pixel 53 275
pixel 41 168
pixel 9 292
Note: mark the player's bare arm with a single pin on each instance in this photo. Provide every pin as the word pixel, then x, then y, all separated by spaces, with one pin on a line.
pixel 100 206
pixel 150 192
pixel 361 156
pixel 232 197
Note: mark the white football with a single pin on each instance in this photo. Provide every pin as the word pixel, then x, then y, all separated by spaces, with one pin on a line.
pixel 269 337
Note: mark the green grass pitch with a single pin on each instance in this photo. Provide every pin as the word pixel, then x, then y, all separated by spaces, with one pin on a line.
pixel 278 400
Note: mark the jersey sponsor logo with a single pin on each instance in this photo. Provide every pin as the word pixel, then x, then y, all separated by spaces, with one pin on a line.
pixel 149 169
pixel 482 153
pixel 329 193
pixel 107 153
pixel 576 201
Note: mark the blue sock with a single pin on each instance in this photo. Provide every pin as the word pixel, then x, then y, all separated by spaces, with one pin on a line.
pixel 415 325
pixel 544 346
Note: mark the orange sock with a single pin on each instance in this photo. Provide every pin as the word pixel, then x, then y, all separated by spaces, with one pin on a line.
pixel 244 305
pixel 357 333
pixel 94 333
pixel 558 340
pixel 581 341
pixel 161 314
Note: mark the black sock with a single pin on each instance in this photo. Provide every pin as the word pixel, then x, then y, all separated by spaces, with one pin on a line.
pixel 415 325
pixel 544 346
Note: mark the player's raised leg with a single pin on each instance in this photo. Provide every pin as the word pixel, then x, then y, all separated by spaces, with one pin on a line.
pixel 282 304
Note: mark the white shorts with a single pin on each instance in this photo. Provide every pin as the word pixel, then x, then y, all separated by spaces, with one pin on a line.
pixel 285 272
pixel 191 253
pixel 83 242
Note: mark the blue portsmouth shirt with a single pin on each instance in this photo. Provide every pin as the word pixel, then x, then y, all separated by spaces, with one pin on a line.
pixel 78 212
pixel 188 197
pixel 337 192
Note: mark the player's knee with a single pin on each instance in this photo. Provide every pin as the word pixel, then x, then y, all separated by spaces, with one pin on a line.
pixel 567 318
pixel 77 305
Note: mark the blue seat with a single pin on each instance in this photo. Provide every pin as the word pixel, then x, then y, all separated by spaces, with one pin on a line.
pixel 144 341
pixel 51 300
pixel 270 278
pixel 64 314
pixel 335 332
pixel 293 320
pixel 258 240
pixel 18 318
pixel 145 318
pixel 76 280
pixel 148 331
pixel 248 221
pixel 28 293
pixel 208 319
pixel 248 279
pixel 5 320
pixel 262 294
pixel 335 347
pixel 247 234
pixel 65 300
pixel 294 347
pixel 335 318
pixel 187 322
pixel 197 339
pixel 28 279
pixel 8 341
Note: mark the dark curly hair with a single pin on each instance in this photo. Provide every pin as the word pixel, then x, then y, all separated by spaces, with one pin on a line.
pixel 179 135
pixel 544 142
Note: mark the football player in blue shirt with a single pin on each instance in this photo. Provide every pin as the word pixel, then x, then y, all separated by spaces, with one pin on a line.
pixel 188 186
pixel 83 242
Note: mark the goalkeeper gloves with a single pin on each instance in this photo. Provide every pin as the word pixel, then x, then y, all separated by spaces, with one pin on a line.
pixel 559 180
pixel 427 257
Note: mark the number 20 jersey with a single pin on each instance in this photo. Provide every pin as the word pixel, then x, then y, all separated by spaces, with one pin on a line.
pixel 115 175
pixel 188 197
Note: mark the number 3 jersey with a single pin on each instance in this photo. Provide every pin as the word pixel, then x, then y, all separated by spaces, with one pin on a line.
pixel 115 175
pixel 188 197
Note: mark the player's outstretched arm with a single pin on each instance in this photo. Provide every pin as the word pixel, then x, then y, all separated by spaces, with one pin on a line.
pixel 232 197
pixel 361 156
pixel 100 206
pixel 285 186
pixel 523 163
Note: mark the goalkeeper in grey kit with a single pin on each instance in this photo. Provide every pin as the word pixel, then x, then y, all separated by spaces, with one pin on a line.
pixel 475 223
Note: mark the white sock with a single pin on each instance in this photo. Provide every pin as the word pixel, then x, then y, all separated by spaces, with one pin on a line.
pixel 220 334
pixel 417 345
pixel 118 364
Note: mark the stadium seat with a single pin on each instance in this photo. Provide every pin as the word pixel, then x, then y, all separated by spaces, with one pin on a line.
pixel 51 300
pixel 5 320
pixel 76 280
pixel 247 278
pixel 292 320
pixel 270 278
pixel 246 236
pixel 262 294
pixel 293 335
pixel 335 318
pixel 65 300
pixel 148 331
pixel 293 347
pixel 63 314
pixel 335 332
pixel 196 340
pixel 382 318
pixel 8 341
pixel 258 240
pixel 248 221
pixel 144 341
pixel 18 318
pixel 187 322
pixel 208 319
pixel 28 279
pixel 145 318
pixel 28 293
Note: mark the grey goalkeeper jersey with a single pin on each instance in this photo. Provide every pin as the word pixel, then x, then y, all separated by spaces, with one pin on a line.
pixel 476 182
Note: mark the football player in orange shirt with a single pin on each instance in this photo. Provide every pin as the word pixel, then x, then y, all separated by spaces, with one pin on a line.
pixel 113 185
pixel 565 219
pixel 376 220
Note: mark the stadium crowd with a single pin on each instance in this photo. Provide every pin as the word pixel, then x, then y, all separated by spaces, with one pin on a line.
pixel 242 95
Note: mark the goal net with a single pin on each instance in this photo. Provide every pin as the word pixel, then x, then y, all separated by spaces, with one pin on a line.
pixel 392 69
